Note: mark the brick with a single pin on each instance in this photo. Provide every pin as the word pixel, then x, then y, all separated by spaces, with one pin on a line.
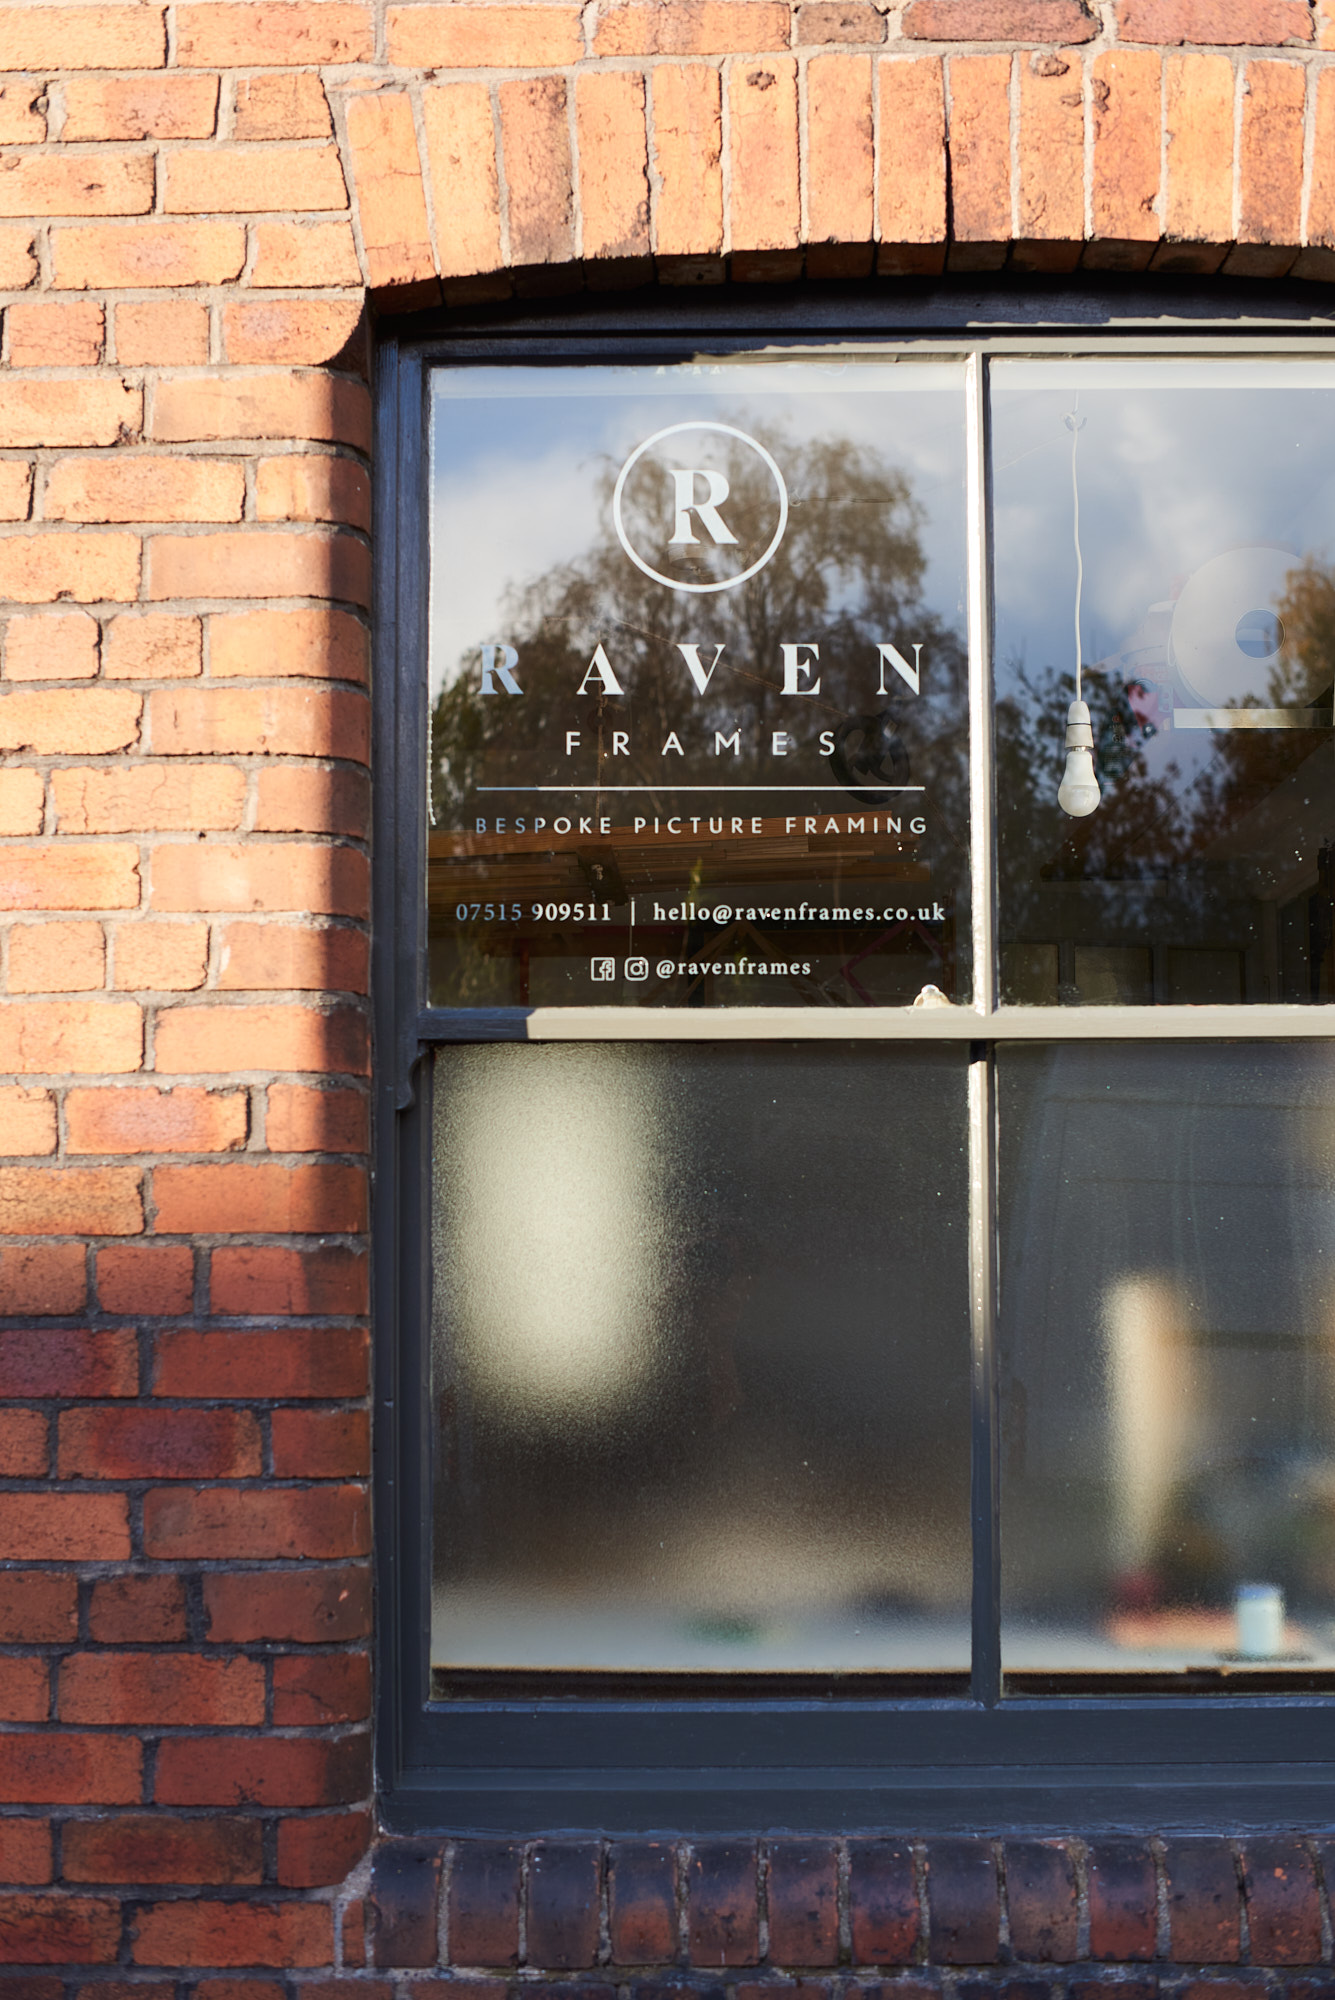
pixel 483 1905
pixel 56 958
pixel 296 330
pixel 152 1443
pixel 1052 147
pixel 300 1119
pixel 144 798
pixel 142 1278
pixel 980 149
pixel 304 253
pixel 37 1607
pixel 94 1201
pixel 999 21
pixel 763 149
pixel 217 1524
pixel 1265 23
pixel 281 106
pixel 1122 1900
pixel 231 36
pixel 1204 1903
pixel 1126 95
pixel 844 21
pixel 723 1913
pixel 1041 1897
pixel 1321 209
pixel 319 643
pixel 64 1527
pixel 269 721
pixel 87 722
pixel 1271 153
pixel 491 37
pixel 145 1120
pixel 461 160
pixel 47 1037
pixel 168 1689
pixel 312 487
pixel 535 138
pixel 255 1280
pixel 563 1904
pixel 138 1610
pixel 324 1689
pixel 286 956
pixel 15 489
pixel 313 1852
pixel 294 798
pixel 1283 1913
pixel 98 411
pixel 228 179
pixel 321 1444
pixel 22 113
pixel 57 1362
pixel 55 646
pixel 803 1902
pixel 64 877
pixel 158 646
pixel 324 1362
pixel 386 171
pixel 25 1692
pixel 642 1902
pixel 911 187
pixel 403 1899
pixel 220 1039
pixel 53 1930
pixel 28 1121
pixel 78 184
pixel 325 1607
pixel 262 1771
pixel 45 1278
pixel 55 38
pixel 161 958
pixel 692 28
pixel 154 1847
pixel 18 257
pixel 55 333
pixel 613 164
pixel 22 803
pixel 151 254
pixel 36 569
pixel 840 165
pixel 164 334
pixel 201 1933
pixel 964 1902
pixel 254 1198
pixel 148 488
pixel 140 107
pixel 24 1454
pixel 264 563
pixel 1199 128
pixel 283 404
pixel 25 1857
pixel 688 156
pixel 264 876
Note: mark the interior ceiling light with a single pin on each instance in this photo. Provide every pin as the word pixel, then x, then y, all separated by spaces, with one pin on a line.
pixel 1078 793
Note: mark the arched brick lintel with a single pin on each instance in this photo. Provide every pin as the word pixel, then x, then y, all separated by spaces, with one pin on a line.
pixel 842 164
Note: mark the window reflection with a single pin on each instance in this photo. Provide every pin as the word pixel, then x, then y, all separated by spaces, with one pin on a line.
pixel 1207 515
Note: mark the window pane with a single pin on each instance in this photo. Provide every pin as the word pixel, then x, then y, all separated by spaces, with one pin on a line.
pixel 1206 491
pixel 698 700
pixel 1168 1356
pixel 701 1358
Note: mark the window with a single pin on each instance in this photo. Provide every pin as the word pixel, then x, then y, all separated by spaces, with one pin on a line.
pixel 857 1168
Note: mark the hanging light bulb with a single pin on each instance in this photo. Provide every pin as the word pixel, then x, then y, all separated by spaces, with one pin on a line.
pixel 1078 794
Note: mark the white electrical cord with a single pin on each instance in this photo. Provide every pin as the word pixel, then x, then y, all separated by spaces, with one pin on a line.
pixel 1075 425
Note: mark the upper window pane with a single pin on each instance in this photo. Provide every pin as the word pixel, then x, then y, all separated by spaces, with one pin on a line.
pixel 698 693
pixel 1206 506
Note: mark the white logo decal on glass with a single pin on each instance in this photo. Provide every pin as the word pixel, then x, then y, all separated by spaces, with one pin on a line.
pixel 696 497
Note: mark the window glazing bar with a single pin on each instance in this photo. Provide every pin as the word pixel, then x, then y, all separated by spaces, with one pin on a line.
pixel 985 1496
pixel 876 1024
pixel 981 778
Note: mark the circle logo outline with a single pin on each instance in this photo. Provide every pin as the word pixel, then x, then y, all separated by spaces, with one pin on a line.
pixel 674 583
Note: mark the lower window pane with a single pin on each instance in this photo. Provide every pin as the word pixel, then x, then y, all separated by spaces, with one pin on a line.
pixel 701 1359
pixel 1168 1359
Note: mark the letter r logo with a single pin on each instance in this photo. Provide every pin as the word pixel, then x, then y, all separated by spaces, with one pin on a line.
pixel 716 492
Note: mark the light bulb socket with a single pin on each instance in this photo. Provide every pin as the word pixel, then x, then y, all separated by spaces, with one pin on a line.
pixel 1079 732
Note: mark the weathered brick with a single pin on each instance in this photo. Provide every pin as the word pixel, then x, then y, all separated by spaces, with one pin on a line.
pixel 57 412
pixel 642 1902
pixel 320 643
pixel 1126 99
pixel 1198 204
pixel 223 180
pixel 145 1120
pixel 1321 208
pixel 140 107
pixel 59 877
pixel 55 1930
pixel 22 802
pixel 245 1933
pixel 461 158
pixel 15 489
pixel 156 1847
pixel 306 486
pixel 289 105
pixel 283 404
pixel 692 28
pixel 259 875
pixel 765 205
pixel 382 146
pixel 840 159
pixel 119 1443
pixel 55 333
pixel 459 36
pixel 999 21
pixel 483 1903
pixel 64 1527
pixel 149 254
pixel 296 330
pixel 723 1911
pixel 252 1198
pixel 217 1523
pixel 535 137
pixel 304 253
pixel 687 201
pixel 157 646
pixel 980 192
pixel 22 113
pixel 18 256
pixel 964 1901
pixel 803 1896
pixel 25 1454
pixel 56 1361
pixel 295 798
pixel 299 1119
pixel 38 1607
pixel 55 958
pixel 52 37
pixel 139 1610
pixel 289 956
pixel 320 1607
pixel 1041 1898
pixel 264 1771
pixel 1283 1913
pixel 911 183
pixel 83 1037
pixel 318 1691
pixel 87 722
pixel 263 563
pixel 25 1857
pixel 42 1278
pixel 321 1849
pixel 82 184
pixel 145 1278
pixel 148 488
pixel 28 1121
pixel 257 1280
pixel 1264 23
pixel 70 1767
pixel 1052 147
pixel 290 1362
pixel 164 798
pixel 61 645
pixel 161 958
pixel 1123 1918
pixel 25 1691
pixel 1204 1902
pixel 168 333
pixel 167 1688
pixel 36 569
pixel 291 31
pixel 291 722
pixel 613 164
pixel 93 1201
pixel 1270 154
pixel 321 1444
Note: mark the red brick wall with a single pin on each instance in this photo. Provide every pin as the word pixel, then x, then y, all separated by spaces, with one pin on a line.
pixel 195 201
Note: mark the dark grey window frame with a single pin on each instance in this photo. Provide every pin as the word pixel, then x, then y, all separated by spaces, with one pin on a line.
pixel 702 1762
